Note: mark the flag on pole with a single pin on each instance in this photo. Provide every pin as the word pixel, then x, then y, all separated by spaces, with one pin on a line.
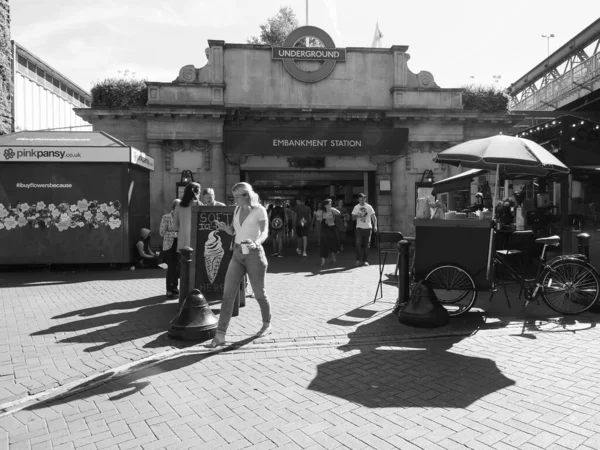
pixel 377 37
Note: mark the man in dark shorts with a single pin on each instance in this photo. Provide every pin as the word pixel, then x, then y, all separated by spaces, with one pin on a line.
pixel 303 219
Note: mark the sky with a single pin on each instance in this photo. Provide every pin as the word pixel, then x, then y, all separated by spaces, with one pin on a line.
pixel 459 41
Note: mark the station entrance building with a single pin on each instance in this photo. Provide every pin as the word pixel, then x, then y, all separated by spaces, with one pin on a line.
pixel 296 122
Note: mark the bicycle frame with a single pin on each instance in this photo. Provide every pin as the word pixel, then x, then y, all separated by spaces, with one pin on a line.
pixel 531 293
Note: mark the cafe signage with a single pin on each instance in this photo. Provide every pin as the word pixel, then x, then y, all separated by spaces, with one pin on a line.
pixel 330 55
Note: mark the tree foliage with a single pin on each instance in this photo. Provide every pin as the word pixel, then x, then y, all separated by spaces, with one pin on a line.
pixel 124 91
pixel 277 29
pixel 485 99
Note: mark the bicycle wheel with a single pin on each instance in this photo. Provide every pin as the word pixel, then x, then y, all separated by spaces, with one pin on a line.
pixel 570 286
pixel 454 288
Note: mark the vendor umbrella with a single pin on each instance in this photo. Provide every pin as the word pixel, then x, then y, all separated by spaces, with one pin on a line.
pixel 509 155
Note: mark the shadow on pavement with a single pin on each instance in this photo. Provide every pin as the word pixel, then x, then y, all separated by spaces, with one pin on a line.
pixel 26 276
pixel 151 316
pixel 129 383
pixel 417 374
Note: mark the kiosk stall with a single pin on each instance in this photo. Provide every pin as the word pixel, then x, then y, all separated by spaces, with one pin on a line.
pixel 71 197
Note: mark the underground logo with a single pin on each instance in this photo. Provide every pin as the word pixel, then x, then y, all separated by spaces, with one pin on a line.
pixel 9 153
pixel 289 54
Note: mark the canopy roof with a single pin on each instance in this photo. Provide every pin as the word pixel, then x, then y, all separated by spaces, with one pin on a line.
pixel 69 147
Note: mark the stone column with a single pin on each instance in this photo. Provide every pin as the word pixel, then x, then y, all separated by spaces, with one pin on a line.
pixel 401 212
pixel 332 192
pixel 218 170
pixel 6 103
pixel 348 193
pixel 157 186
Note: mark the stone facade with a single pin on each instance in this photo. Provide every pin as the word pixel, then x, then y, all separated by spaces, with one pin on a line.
pixel 186 123
pixel 6 83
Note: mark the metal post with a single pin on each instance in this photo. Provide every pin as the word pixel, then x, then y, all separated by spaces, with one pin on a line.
pixel 186 276
pixel 583 244
pixel 403 281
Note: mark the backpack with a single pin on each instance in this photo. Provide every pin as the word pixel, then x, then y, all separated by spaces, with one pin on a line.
pixel 277 218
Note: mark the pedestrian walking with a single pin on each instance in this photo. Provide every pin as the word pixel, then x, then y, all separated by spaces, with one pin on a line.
pixel 169 248
pixel 317 219
pixel 250 229
pixel 182 216
pixel 366 223
pixel 289 216
pixel 303 221
pixel 277 227
pixel 329 239
pixel 342 223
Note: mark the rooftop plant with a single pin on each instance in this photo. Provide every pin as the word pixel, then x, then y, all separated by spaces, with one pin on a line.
pixel 124 91
pixel 485 99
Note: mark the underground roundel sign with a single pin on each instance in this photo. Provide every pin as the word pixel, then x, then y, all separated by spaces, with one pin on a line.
pixel 289 54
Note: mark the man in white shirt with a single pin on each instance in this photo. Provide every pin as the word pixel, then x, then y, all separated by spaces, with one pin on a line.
pixel 366 222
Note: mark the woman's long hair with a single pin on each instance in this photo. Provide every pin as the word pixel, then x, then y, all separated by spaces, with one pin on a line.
pixel 190 193
pixel 245 188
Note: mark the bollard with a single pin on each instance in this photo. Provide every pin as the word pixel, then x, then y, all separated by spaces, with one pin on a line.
pixel 403 281
pixel 186 273
pixel 583 245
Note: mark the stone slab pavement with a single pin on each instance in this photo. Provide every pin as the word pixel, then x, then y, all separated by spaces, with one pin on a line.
pixel 332 346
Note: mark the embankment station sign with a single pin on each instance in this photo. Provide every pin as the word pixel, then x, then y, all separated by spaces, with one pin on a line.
pixel 289 54
pixel 315 141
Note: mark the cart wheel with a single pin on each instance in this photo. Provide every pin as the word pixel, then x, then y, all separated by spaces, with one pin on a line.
pixel 454 288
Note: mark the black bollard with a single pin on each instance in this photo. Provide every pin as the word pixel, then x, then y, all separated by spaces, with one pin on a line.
pixel 185 274
pixel 583 244
pixel 403 275
pixel 194 321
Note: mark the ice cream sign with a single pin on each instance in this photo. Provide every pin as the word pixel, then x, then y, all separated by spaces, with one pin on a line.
pixel 212 249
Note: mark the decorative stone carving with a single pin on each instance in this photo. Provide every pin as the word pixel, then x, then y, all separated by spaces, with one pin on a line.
pixel 187 74
pixel 425 79
pixel 207 158
pixel 169 147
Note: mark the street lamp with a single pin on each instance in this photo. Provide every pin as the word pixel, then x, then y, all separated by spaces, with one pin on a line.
pixel 548 36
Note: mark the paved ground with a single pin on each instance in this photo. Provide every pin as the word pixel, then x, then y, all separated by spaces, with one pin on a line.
pixel 338 372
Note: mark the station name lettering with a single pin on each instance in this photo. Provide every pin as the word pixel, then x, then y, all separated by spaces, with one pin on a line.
pixel 317 143
pixel 289 53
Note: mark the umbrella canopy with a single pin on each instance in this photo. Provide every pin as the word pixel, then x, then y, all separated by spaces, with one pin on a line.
pixel 510 155
pixel 458 182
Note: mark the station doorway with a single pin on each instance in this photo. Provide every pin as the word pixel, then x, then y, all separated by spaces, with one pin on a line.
pixel 312 186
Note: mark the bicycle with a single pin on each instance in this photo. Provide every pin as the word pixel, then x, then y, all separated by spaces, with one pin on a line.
pixel 568 284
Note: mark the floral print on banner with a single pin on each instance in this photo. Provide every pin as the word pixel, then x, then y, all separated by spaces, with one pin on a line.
pixel 63 216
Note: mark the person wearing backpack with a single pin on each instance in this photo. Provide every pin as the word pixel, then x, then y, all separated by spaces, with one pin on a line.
pixel 278 225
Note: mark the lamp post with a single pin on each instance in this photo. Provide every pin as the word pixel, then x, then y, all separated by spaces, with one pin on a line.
pixel 186 177
pixel 548 36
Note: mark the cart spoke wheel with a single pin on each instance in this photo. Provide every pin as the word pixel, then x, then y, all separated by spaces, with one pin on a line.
pixel 454 288
pixel 570 287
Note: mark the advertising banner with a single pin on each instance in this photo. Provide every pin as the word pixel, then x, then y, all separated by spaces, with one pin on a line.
pixel 66 154
pixel 63 213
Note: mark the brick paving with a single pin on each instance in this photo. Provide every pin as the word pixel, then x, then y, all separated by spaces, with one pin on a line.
pixel 338 372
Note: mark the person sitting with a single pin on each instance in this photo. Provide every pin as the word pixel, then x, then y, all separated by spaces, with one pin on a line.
pixel 144 256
